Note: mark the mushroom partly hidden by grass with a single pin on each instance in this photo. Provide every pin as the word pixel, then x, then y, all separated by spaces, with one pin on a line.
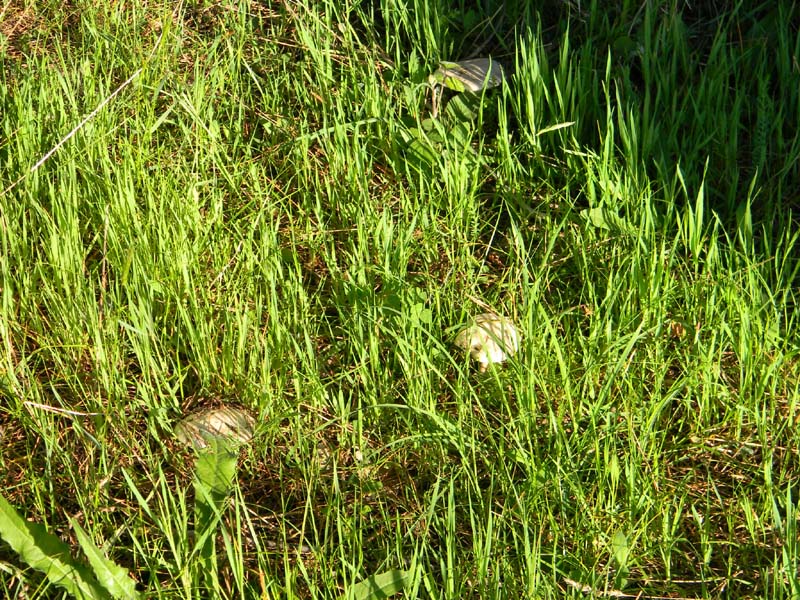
pixel 474 75
pixel 489 339
pixel 215 434
pixel 227 424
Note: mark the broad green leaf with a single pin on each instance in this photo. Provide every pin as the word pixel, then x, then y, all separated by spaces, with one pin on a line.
pixel 110 575
pixel 379 586
pixel 420 156
pixel 620 548
pixel 474 75
pixel 216 467
pixel 421 315
pixel 606 218
pixel 215 472
pixel 45 552
pixel 461 134
pixel 625 46
pixel 462 108
pixel 426 125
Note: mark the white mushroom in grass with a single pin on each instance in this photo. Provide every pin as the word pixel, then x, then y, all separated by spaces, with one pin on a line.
pixel 474 75
pixel 489 339
pixel 227 424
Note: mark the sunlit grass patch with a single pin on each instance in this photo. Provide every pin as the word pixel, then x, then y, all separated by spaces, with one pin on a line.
pixel 282 211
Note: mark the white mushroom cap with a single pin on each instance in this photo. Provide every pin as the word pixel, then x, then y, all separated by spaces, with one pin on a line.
pixel 227 424
pixel 490 339
pixel 474 75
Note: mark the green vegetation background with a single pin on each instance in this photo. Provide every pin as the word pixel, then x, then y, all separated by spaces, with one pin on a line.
pixel 267 215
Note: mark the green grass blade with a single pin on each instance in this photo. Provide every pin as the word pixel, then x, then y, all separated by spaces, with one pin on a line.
pixel 110 575
pixel 46 553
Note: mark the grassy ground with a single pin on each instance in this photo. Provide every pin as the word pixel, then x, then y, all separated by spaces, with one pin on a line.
pixel 265 215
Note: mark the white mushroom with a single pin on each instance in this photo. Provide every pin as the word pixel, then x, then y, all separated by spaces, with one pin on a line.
pixel 227 424
pixel 489 339
pixel 474 75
